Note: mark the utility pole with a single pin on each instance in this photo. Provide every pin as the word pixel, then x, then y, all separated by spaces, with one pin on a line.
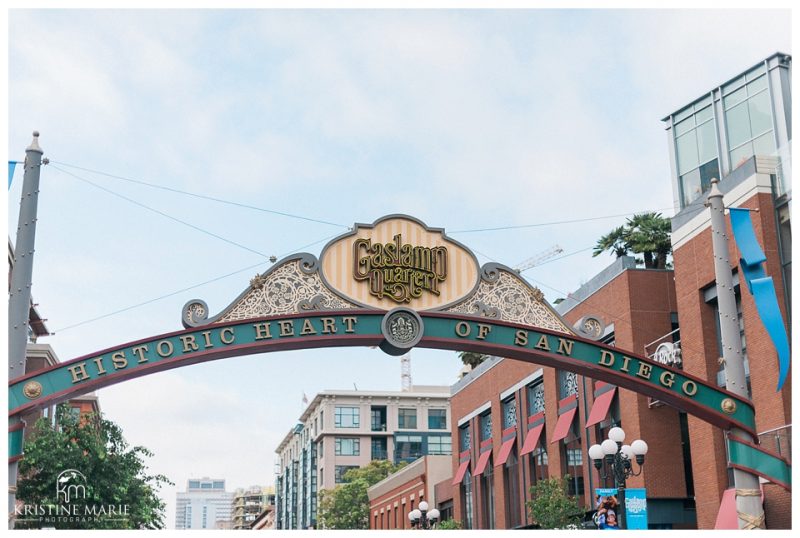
pixel 747 488
pixel 19 303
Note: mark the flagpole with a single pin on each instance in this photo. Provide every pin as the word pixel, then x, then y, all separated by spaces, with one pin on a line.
pixel 19 301
pixel 747 489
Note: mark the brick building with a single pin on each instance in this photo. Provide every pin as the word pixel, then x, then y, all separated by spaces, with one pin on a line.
pixel 391 499
pixel 516 423
pixel 743 131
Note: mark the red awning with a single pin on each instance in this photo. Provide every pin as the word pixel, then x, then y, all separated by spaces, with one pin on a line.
pixel 563 424
pixel 726 517
pixel 600 407
pixel 482 461
pixel 532 439
pixel 505 450
pixel 462 470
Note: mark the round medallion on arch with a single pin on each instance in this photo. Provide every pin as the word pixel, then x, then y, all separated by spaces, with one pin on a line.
pixel 32 390
pixel 402 329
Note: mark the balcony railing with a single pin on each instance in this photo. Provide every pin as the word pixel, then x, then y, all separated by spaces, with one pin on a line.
pixel 380 454
pixel 778 441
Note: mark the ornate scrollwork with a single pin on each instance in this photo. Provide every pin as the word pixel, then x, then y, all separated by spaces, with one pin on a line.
pixel 309 263
pixel 486 311
pixel 292 286
pixel 490 272
pixel 591 327
pixel 195 313
pixel 501 294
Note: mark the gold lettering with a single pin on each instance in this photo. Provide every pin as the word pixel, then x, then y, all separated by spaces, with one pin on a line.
pixel 349 322
pixel 543 343
pixel 188 343
pixel 689 388
pixel 565 346
pixel 99 362
pixel 521 338
pixel 625 361
pixel 328 325
pixel 607 358
pixel 287 327
pixel 667 379
pixel 223 332
pixel 161 345
pixel 139 352
pixel 78 372
pixel 483 330
pixel 119 360
pixel 207 339
pixel 463 329
pixel 644 370
pixel 308 328
pixel 262 331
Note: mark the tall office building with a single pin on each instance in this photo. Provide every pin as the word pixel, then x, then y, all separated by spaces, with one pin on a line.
pixel 741 133
pixel 204 505
pixel 342 430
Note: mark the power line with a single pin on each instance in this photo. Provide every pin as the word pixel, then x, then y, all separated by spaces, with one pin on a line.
pixel 197 195
pixel 539 224
pixel 166 295
pixel 163 214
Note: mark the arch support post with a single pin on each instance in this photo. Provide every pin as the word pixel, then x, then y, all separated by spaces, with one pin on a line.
pixel 748 497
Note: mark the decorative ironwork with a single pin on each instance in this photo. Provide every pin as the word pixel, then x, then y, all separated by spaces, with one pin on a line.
pixel 510 413
pixel 291 287
pixel 466 441
pixel 505 296
pixel 536 398
pixel 567 383
pixel 486 426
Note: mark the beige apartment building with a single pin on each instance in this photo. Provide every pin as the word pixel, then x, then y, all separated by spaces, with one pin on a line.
pixel 345 429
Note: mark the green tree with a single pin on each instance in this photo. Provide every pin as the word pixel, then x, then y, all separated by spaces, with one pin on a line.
pixel 449 525
pixel 347 506
pixel 551 507
pixel 115 475
pixel 471 358
pixel 646 234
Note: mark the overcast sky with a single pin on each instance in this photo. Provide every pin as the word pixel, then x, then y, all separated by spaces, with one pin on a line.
pixel 464 119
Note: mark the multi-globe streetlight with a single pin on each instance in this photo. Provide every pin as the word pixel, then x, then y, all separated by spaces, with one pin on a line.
pixel 421 518
pixel 612 458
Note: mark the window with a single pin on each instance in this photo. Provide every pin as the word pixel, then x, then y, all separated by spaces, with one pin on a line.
pixel 721 373
pixel 340 470
pixel 487 495
pixel 536 398
pixel 486 426
pixel 785 242
pixel 346 417
pixel 407 419
pixel 378 449
pixel 602 429
pixel 348 446
pixel 439 445
pixel 464 442
pixel 695 149
pixel 538 463
pixel 407 447
pixel 378 419
pixel 748 116
pixel 509 413
pixel 437 419
pixel 466 500
pixel 511 480
pixel 572 465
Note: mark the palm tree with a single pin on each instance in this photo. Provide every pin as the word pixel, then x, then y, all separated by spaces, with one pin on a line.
pixel 646 234
pixel 615 241
pixel 471 358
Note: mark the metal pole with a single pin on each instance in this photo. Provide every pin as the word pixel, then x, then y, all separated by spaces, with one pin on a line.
pixel 748 498
pixel 19 303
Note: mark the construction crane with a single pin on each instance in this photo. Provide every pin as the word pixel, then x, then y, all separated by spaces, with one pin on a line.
pixel 539 258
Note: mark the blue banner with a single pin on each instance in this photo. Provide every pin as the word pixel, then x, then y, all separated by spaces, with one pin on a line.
pixel 11 165
pixel 636 509
pixel 761 287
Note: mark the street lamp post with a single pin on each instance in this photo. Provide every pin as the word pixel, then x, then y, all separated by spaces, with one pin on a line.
pixel 618 460
pixel 421 518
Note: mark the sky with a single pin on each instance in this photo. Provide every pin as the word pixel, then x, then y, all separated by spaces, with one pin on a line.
pixel 466 120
